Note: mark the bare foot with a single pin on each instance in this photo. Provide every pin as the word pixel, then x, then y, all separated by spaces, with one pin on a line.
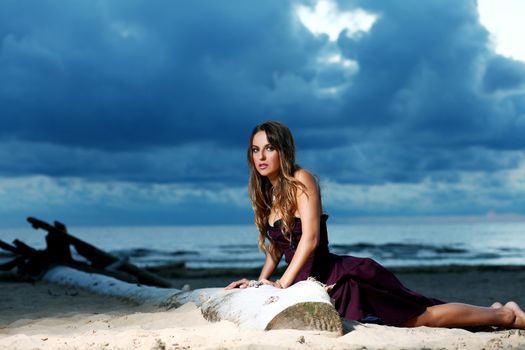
pixel 496 305
pixel 520 315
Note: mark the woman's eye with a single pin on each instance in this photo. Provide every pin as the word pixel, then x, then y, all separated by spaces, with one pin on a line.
pixel 255 150
pixel 269 148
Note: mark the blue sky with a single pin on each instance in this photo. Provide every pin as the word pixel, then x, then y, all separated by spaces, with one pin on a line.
pixel 135 112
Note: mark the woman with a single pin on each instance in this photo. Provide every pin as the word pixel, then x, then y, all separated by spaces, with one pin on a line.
pixel 288 212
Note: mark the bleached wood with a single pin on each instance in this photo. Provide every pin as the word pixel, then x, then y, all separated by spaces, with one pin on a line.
pixel 305 305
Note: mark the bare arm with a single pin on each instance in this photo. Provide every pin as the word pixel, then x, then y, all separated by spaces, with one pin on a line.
pixel 309 209
pixel 270 265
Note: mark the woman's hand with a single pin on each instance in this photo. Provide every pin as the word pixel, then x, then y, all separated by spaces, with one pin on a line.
pixel 238 284
pixel 276 284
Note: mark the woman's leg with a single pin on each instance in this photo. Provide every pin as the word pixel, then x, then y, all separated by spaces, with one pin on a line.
pixel 464 315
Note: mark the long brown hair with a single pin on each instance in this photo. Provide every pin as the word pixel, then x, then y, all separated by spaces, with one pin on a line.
pixel 283 197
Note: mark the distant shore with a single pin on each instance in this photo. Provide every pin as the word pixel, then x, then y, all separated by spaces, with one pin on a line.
pixel 44 316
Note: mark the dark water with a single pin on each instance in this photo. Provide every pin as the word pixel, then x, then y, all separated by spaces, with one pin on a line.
pixel 236 246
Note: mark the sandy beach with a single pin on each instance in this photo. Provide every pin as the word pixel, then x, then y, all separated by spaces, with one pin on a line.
pixel 46 316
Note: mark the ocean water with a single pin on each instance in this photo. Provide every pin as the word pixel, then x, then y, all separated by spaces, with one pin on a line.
pixel 395 244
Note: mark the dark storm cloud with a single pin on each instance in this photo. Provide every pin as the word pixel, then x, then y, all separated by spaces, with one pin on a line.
pixel 418 66
pixel 430 96
pixel 125 75
pixel 169 91
pixel 189 163
pixel 504 74
pixel 400 162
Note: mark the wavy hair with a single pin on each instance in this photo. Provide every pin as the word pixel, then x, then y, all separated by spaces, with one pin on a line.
pixel 262 193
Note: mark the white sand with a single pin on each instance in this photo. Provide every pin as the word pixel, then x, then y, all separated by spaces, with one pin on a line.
pixel 51 317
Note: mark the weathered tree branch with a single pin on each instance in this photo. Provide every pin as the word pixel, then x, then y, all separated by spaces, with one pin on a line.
pixel 305 305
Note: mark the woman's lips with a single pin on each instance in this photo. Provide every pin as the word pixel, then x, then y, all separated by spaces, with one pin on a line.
pixel 263 166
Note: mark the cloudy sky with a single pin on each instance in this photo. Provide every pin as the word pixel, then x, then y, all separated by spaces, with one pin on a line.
pixel 136 112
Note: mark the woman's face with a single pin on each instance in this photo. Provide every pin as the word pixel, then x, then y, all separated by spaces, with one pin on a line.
pixel 265 156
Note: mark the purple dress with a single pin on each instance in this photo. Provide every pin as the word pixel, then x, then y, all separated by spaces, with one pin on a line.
pixel 364 290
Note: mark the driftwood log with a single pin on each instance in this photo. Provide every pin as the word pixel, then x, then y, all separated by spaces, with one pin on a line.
pixel 305 305
pixel 32 263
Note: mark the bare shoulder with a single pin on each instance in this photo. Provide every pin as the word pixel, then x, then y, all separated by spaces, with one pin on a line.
pixel 304 175
pixel 307 179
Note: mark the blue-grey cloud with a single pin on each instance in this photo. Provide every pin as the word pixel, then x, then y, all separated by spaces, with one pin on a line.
pixel 167 93
pixel 421 91
pixel 503 74
pixel 202 162
pixel 124 75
